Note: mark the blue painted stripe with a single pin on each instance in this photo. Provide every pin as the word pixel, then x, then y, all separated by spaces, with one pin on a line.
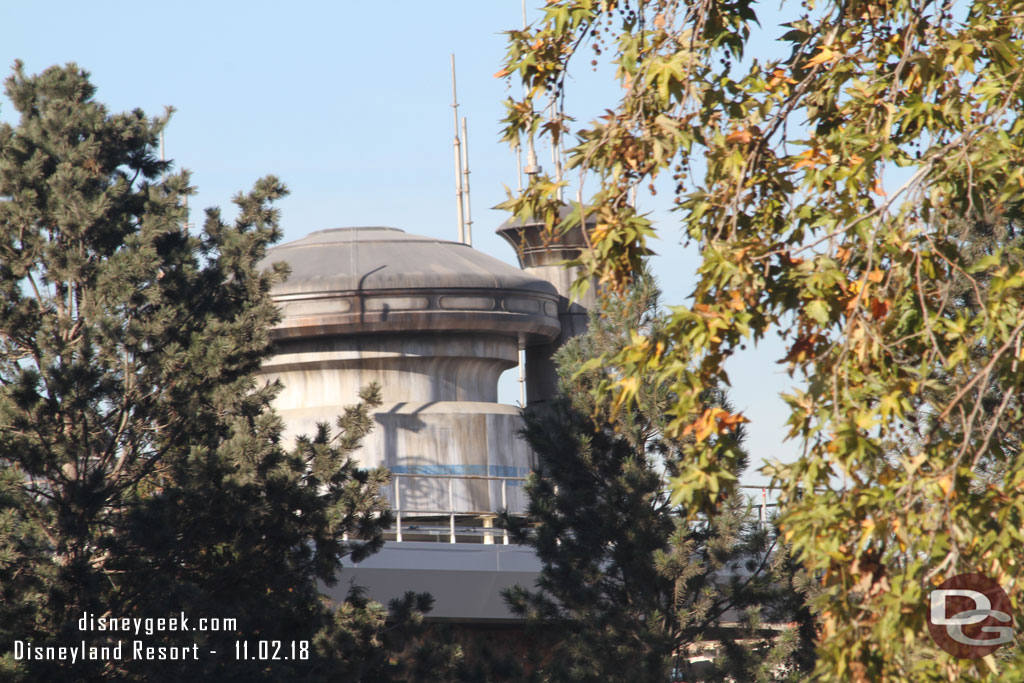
pixel 477 470
pixel 509 471
pixel 440 469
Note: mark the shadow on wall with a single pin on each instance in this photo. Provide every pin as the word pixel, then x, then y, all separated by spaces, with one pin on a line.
pixel 434 471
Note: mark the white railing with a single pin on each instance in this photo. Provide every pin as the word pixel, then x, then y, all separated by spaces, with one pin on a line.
pixel 487 517
pixel 415 520
pixel 762 507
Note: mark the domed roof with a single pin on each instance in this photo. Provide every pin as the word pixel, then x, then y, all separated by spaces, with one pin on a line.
pixel 348 259
pixel 374 279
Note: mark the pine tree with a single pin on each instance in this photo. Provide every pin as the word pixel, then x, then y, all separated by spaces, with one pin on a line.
pixel 627 583
pixel 142 472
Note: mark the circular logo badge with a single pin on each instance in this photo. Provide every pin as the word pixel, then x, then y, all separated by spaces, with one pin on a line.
pixel 969 616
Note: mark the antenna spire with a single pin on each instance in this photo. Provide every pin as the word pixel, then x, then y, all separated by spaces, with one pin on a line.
pixel 556 152
pixel 532 167
pixel 458 158
pixel 465 172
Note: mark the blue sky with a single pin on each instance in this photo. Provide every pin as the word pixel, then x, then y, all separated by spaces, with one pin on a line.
pixel 349 104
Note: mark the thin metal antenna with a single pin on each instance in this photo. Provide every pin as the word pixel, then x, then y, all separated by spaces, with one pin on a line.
pixel 532 167
pixel 519 167
pixel 522 371
pixel 458 158
pixel 519 147
pixel 556 157
pixel 465 172
pixel 557 161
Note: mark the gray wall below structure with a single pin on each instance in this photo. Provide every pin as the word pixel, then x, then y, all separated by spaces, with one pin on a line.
pixel 466 580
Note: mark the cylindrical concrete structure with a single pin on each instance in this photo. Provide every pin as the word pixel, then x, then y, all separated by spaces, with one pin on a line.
pixel 435 323
pixel 544 255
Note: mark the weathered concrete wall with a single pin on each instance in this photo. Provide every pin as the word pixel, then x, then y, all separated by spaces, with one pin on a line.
pixel 410 367
pixel 435 324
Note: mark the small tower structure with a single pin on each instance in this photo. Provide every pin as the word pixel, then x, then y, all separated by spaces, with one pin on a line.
pixel 544 255
pixel 435 323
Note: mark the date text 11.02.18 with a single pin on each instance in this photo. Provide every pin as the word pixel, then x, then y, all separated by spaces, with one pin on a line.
pixel 270 650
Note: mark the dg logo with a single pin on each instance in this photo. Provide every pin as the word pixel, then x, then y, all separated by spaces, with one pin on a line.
pixel 969 616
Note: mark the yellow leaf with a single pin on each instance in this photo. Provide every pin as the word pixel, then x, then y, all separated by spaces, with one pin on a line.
pixel 826 55
pixel 868 527
pixel 914 463
pixel 627 390
pixel 946 484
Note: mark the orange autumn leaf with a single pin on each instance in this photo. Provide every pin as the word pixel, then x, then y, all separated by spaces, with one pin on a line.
pixel 729 421
pixel 704 428
pixel 713 421
pixel 879 308
pixel 701 427
pixel 810 158
pixel 739 137
pixel 802 348
pixel 502 73
pixel 705 310
pixel 779 76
